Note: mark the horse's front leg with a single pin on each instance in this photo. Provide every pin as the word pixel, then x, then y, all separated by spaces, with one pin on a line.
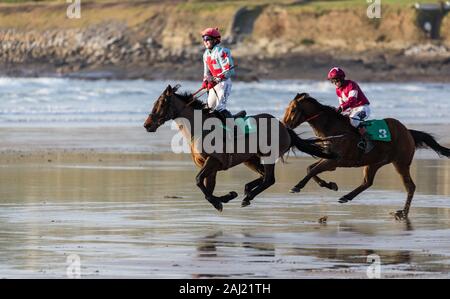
pixel 209 169
pixel 210 184
pixel 322 183
pixel 369 175
pixel 324 165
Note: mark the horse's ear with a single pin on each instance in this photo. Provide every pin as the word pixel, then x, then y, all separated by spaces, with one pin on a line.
pixel 169 90
pixel 301 96
pixel 176 87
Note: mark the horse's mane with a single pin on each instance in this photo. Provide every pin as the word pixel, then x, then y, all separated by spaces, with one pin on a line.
pixel 329 110
pixel 193 102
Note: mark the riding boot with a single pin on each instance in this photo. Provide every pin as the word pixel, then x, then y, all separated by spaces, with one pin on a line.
pixel 365 144
pixel 219 115
pixel 223 115
pixel 226 114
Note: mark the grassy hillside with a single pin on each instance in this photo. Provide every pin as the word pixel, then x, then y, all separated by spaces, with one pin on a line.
pixel 51 13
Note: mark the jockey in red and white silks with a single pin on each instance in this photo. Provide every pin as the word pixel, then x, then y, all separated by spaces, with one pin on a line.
pixel 217 65
pixel 352 101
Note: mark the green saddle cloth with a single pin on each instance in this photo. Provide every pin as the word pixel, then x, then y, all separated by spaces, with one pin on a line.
pixel 244 124
pixel 377 129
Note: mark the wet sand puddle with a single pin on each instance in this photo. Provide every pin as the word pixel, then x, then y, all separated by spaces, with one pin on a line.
pixel 145 218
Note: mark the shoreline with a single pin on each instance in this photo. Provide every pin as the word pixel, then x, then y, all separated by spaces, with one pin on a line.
pixel 90 143
pixel 372 67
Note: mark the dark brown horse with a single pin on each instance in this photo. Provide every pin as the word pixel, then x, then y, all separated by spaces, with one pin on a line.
pixel 326 122
pixel 185 110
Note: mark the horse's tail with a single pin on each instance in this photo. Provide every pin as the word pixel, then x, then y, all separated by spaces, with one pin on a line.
pixel 422 139
pixel 308 147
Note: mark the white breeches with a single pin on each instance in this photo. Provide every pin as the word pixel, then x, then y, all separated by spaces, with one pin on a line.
pixel 358 114
pixel 218 96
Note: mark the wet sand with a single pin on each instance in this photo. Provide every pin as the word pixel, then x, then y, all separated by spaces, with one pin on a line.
pixel 128 214
pixel 27 139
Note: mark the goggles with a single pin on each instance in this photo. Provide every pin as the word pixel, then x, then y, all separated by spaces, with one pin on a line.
pixel 335 80
pixel 207 38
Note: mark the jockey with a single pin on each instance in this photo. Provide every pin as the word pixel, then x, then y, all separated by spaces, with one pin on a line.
pixel 352 103
pixel 217 62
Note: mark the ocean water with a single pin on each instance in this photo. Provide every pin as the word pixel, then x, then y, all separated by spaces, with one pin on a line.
pixel 56 101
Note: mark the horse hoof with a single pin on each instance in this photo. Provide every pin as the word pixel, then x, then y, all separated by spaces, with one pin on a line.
pixel 230 196
pixel 400 215
pixel 333 186
pixel 219 207
pixel 344 199
pixel 245 203
pixel 295 190
pixel 216 203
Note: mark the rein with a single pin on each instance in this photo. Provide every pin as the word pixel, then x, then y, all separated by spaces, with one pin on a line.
pixel 190 102
pixel 313 117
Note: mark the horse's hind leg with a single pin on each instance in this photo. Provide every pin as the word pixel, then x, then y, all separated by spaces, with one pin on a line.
pixel 210 184
pixel 403 170
pixel 369 175
pixel 252 185
pixel 255 165
pixel 323 183
pixel 268 180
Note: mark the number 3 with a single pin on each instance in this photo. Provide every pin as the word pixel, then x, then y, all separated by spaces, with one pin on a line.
pixel 382 133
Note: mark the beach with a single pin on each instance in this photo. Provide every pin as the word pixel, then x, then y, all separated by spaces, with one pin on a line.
pixel 84 186
pixel 125 212
pixel 87 192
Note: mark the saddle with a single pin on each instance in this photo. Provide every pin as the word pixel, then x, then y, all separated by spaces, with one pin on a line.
pixel 241 113
pixel 226 114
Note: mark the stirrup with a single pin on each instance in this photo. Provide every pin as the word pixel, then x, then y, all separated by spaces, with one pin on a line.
pixel 362 144
pixel 365 146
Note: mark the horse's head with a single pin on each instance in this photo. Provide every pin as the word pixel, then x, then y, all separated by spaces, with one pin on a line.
pixel 163 110
pixel 298 111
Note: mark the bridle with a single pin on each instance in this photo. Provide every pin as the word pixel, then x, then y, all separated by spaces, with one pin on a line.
pixel 311 117
pixel 167 112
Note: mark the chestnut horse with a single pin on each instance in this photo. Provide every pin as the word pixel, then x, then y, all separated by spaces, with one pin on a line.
pixel 326 122
pixel 183 108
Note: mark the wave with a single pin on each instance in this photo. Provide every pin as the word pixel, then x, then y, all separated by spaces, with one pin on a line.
pixel 72 100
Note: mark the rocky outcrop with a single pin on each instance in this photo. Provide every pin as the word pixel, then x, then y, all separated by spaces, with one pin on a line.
pixel 161 37
pixel 74 49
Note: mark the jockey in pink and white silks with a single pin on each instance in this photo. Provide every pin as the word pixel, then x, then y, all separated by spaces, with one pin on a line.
pixel 352 103
pixel 218 69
